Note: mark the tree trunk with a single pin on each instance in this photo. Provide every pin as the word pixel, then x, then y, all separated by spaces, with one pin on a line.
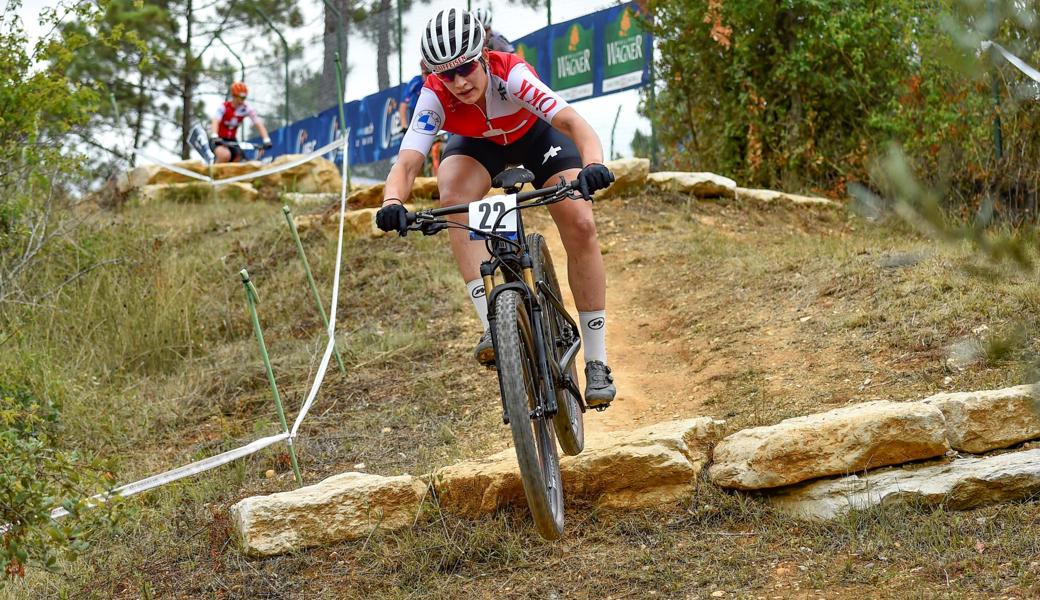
pixel 139 119
pixel 188 85
pixel 385 23
pixel 327 84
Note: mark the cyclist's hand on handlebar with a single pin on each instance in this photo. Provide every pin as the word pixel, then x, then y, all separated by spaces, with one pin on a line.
pixel 592 178
pixel 392 218
pixel 267 143
pixel 214 141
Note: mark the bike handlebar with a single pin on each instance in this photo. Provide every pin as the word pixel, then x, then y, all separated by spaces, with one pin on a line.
pixel 560 188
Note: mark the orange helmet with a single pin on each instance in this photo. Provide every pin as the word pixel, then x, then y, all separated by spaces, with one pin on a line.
pixel 239 89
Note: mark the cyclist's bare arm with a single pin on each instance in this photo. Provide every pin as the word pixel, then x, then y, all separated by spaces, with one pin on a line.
pixel 572 125
pixel 402 175
pixel 263 130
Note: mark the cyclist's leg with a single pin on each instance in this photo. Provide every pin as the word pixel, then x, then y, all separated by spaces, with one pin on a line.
pixel 465 175
pixel 236 153
pixel 221 153
pixel 465 172
pixel 551 155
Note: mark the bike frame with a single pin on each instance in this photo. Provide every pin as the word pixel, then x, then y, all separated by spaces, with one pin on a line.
pixel 513 260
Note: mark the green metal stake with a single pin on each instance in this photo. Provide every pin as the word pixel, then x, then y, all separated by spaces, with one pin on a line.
pixel 310 280
pixel 252 299
pixel 342 119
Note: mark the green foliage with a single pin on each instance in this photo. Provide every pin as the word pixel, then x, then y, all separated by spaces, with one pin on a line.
pixel 778 93
pixel 807 94
pixel 36 478
pixel 39 106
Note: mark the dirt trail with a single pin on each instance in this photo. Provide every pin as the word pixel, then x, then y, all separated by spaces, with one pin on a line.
pixel 646 370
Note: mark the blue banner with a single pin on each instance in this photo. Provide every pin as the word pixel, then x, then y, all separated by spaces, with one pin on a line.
pixel 377 130
pixel 601 53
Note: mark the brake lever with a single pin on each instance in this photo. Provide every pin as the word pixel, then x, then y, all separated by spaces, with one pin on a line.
pixel 432 227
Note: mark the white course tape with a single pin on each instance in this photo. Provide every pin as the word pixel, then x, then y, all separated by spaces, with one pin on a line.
pixel 140 152
pixel 1014 60
pixel 194 468
pixel 293 163
pixel 332 313
pixel 261 173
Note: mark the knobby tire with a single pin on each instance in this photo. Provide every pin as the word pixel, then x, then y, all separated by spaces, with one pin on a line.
pixel 533 438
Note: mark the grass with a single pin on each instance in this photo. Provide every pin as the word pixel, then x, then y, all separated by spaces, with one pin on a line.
pixel 153 362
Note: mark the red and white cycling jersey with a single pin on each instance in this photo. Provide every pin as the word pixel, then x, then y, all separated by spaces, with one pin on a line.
pixel 514 97
pixel 231 117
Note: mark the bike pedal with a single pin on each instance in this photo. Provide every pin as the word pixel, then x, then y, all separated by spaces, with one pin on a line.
pixel 601 407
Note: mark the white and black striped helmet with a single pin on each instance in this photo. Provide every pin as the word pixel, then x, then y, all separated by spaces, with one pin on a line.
pixel 451 38
pixel 484 16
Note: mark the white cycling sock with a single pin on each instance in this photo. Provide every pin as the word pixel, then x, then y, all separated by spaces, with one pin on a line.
pixel 476 294
pixel 594 334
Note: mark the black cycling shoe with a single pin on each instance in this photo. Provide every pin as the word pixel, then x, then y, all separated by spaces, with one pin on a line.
pixel 485 350
pixel 599 385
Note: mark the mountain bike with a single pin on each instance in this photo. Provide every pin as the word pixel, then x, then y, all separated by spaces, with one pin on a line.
pixel 536 341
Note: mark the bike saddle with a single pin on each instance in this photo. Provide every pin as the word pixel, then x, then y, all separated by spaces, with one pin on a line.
pixel 512 179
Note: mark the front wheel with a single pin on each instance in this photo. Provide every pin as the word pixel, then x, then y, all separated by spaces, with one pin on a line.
pixel 533 437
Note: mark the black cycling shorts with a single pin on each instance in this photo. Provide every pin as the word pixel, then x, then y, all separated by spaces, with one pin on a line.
pixel 543 150
pixel 232 145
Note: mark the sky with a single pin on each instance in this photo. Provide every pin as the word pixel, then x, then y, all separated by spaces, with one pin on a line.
pixel 511 20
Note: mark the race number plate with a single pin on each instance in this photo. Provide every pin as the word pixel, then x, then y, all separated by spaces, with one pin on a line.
pixel 485 213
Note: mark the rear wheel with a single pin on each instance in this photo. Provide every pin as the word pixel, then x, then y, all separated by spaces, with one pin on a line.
pixel 533 436
pixel 570 427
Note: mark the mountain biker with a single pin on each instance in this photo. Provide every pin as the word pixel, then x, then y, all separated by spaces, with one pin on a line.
pixel 502 114
pixel 492 39
pixel 227 118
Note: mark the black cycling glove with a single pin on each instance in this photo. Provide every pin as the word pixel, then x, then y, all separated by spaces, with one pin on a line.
pixel 267 144
pixel 392 218
pixel 592 178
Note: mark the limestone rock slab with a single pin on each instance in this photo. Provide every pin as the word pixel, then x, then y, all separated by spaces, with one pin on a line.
pixel 135 178
pixel 366 196
pixel 629 177
pixel 343 507
pixel 195 192
pixel 959 485
pixel 316 176
pixel 633 469
pixel 977 422
pixel 771 196
pixel 702 185
pixel 838 442
pixel 643 468
pixel 425 187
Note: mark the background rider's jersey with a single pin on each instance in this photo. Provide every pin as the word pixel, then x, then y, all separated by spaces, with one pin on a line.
pixel 231 117
pixel 499 43
pixel 514 97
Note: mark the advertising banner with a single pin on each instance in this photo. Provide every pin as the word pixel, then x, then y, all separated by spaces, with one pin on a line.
pixel 329 124
pixel 377 130
pixel 572 44
pixel 534 48
pixel 626 50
